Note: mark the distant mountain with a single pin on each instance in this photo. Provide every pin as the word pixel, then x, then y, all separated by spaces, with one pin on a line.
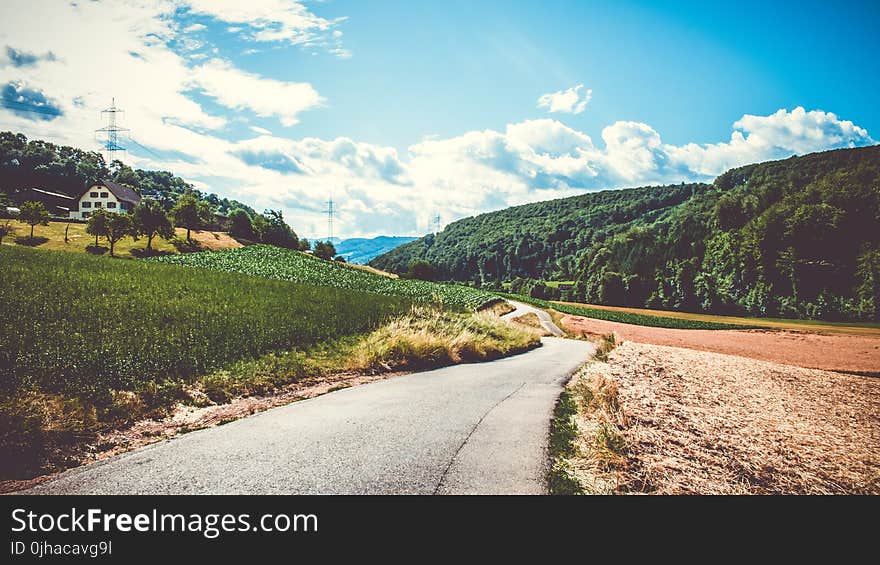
pixel 799 237
pixel 361 250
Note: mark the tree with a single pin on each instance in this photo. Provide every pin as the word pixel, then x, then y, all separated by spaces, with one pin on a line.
pixel 324 250
pixel 4 203
pixel 422 270
pixel 97 225
pixel 118 226
pixel 272 229
pixel 240 224
pixel 33 213
pixel 149 219
pixel 304 244
pixel 5 229
pixel 191 213
pixel 340 259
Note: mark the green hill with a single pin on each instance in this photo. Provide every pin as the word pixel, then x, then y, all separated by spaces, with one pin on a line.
pixel 798 237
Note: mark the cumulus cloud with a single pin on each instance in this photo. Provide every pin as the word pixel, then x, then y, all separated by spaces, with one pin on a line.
pixel 377 189
pixel 266 97
pixel 569 101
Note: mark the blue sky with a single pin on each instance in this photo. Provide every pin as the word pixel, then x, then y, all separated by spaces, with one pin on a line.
pixel 402 110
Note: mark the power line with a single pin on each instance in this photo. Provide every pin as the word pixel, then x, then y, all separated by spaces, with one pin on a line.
pixel 330 217
pixel 112 130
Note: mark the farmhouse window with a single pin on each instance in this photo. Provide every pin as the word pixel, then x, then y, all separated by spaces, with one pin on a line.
pixel 97 204
pixel 103 195
pixel 86 214
pixel 86 204
pixel 111 204
pixel 93 194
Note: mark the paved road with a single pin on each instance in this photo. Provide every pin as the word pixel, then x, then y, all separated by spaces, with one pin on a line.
pixel 543 317
pixel 479 428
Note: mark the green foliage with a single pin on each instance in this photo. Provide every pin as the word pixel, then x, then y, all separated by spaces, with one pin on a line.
pixel 149 220
pixel 783 238
pixel 34 213
pixel 271 229
pixel 324 250
pixel 68 170
pixel 240 224
pixel 118 226
pixel 288 265
pixel 191 213
pixel 97 224
pixel 92 325
pixel 421 270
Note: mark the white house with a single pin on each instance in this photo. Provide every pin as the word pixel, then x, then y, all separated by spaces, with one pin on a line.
pixel 108 195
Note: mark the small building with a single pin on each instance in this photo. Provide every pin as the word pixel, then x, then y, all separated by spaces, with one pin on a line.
pixel 56 203
pixel 106 194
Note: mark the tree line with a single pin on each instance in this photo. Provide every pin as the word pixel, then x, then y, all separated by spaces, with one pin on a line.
pixel 796 238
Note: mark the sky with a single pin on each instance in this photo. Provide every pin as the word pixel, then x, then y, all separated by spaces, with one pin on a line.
pixel 405 110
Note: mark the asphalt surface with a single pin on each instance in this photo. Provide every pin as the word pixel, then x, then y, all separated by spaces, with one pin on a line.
pixel 478 428
pixel 543 317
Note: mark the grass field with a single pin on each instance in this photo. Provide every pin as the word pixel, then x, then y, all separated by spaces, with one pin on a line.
pixel 51 237
pixel 612 315
pixel 851 328
pixel 287 265
pixel 82 325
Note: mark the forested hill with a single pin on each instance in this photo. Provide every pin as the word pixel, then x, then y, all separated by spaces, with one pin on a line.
pixel 798 237
pixel 67 170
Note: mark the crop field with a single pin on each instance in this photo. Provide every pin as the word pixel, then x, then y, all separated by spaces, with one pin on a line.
pixel 287 265
pixel 630 317
pixel 81 325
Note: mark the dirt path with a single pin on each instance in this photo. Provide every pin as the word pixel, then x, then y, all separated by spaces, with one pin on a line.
pixel 834 352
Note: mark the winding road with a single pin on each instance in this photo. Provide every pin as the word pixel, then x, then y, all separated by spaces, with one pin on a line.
pixel 543 317
pixel 466 429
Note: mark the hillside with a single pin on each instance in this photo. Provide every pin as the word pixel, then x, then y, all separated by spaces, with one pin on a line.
pixel 795 238
pixel 60 168
pixel 361 250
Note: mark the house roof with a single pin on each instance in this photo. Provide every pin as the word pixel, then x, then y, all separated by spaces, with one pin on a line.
pixel 121 192
pixel 55 194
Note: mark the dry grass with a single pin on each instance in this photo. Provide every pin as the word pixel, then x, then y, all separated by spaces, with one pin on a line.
pixel 498 309
pixel 703 423
pixel 78 241
pixel 428 337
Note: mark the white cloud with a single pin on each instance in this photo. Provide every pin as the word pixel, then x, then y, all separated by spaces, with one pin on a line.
pixel 569 101
pixel 377 189
pixel 271 21
pixel 238 89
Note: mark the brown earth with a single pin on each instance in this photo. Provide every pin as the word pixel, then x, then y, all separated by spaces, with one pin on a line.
pixel 705 423
pixel 830 352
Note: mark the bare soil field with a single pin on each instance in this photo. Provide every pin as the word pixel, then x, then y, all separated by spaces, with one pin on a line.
pixel 830 352
pixel 705 423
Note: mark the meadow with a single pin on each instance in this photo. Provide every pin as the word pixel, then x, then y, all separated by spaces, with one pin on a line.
pixel 52 237
pixel 83 325
pixel 287 265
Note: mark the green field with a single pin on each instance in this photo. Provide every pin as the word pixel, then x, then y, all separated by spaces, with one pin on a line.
pixel 82 325
pixel 630 317
pixel 284 264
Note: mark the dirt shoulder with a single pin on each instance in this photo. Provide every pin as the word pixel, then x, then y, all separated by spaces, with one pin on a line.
pixel 697 422
pixel 185 418
pixel 831 352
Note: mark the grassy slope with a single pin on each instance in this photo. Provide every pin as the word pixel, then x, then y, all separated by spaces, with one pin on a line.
pixel 83 324
pixel 284 264
pixel 851 328
pixel 51 237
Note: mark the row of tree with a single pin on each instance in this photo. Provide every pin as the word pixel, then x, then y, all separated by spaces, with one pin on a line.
pixel 798 237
